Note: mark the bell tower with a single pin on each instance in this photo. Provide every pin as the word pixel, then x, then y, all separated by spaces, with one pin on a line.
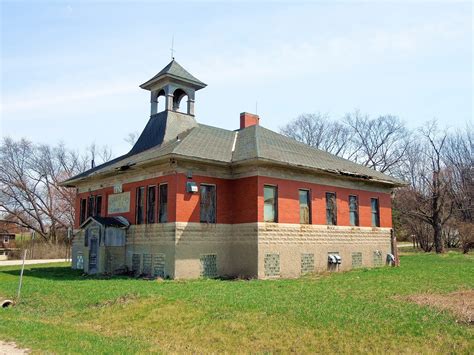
pixel 172 84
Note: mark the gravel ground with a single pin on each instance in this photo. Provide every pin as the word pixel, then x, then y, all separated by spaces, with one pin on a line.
pixel 31 262
pixel 10 349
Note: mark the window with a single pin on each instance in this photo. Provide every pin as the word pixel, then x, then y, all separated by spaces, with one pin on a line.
pixel 270 210
pixel 151 203
pixel 140 205
pixel 331 209
pixel 354 210
pixel 98 205
pixel 305 207
pixel 374 203
pixel 208 204
pixel 82 210
pixel 163 212
pixel 90 206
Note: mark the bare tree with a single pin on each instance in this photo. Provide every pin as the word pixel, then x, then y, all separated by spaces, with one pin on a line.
pixel 30 177
pixel 319 132
pixel 132 138
pixel 459 161
pixel 379 143
pixel 428 199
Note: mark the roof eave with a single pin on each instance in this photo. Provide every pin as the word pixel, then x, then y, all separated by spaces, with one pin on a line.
pixel 356 177
pixel 150 83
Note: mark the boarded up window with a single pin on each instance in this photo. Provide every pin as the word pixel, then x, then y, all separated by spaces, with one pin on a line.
pixel 377 258
pixel 79 261
pixel 356 259
pixel 208 265
pixel 163 213
pixel 98 205
pixel 307 263
pixel 147 264
pixel 305 207
pixel 354 210
pixel 270 207
pixel 151 203
pixel 271 265
pixel 136 263
pixel 140 205
pixel 208 204
pixel 83 208
pixel 374 203
pixel 159 265
pixel 86 238
pixel 331 209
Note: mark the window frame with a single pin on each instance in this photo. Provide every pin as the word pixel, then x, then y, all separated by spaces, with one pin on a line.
pixel 275 203
pixel 82 210
pixel 151 204
pixel 308 194
pixel 357 219
pixel 140 203
pixel 90 206
pixel 97 205
pixel 160 204
pixel 334 219
pixel 215 203
pixel 377 212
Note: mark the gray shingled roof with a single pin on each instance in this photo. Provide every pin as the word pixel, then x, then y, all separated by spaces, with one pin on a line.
pixel 262 143
pixel 256 142
pixel 174 69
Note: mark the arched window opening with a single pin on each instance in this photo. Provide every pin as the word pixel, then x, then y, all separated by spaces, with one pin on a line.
pixel 180 101
pixel 161 99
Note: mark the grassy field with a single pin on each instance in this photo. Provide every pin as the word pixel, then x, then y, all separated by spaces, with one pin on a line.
pixel 358 311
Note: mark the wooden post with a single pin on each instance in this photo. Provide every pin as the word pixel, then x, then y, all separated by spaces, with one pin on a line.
pixel 21 276
pixel 393 240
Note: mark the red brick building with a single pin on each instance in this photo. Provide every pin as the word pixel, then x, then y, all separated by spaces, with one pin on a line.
pixel 193 200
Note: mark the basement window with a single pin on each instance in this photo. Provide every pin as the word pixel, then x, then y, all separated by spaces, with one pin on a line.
pixel 270 204
pixel 163 212
pixel 151 203
pixel 208 204
pixel 305 206
pixel 140 205
pixel 331 209
pixel 374 203
pixel 353 210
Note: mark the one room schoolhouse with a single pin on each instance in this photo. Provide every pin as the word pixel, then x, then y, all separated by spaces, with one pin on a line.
pixel 192 200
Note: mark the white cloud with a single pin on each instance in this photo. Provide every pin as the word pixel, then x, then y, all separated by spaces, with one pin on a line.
pixel 47 97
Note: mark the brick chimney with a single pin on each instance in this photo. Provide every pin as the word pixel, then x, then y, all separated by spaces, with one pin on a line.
pixel 248 119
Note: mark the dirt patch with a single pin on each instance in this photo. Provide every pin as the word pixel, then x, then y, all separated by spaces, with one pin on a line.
pixel 460 303
pixel 124 299
pixel 11 349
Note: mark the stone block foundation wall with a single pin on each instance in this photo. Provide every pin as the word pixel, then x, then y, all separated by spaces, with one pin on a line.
pixel 264 250
pixel 294 243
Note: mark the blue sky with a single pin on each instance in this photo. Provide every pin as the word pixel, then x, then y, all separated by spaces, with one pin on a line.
pixel 70 70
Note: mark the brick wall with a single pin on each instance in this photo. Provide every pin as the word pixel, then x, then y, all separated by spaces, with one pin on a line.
pixel 132 187
pixel 241 200
pixel 288 202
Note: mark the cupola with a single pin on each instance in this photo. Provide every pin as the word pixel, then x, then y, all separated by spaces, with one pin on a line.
pixel 172 84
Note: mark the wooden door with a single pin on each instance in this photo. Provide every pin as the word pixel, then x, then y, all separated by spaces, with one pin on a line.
pixel 93 254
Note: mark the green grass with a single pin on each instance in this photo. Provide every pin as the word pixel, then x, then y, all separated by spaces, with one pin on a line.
pixel 358 311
